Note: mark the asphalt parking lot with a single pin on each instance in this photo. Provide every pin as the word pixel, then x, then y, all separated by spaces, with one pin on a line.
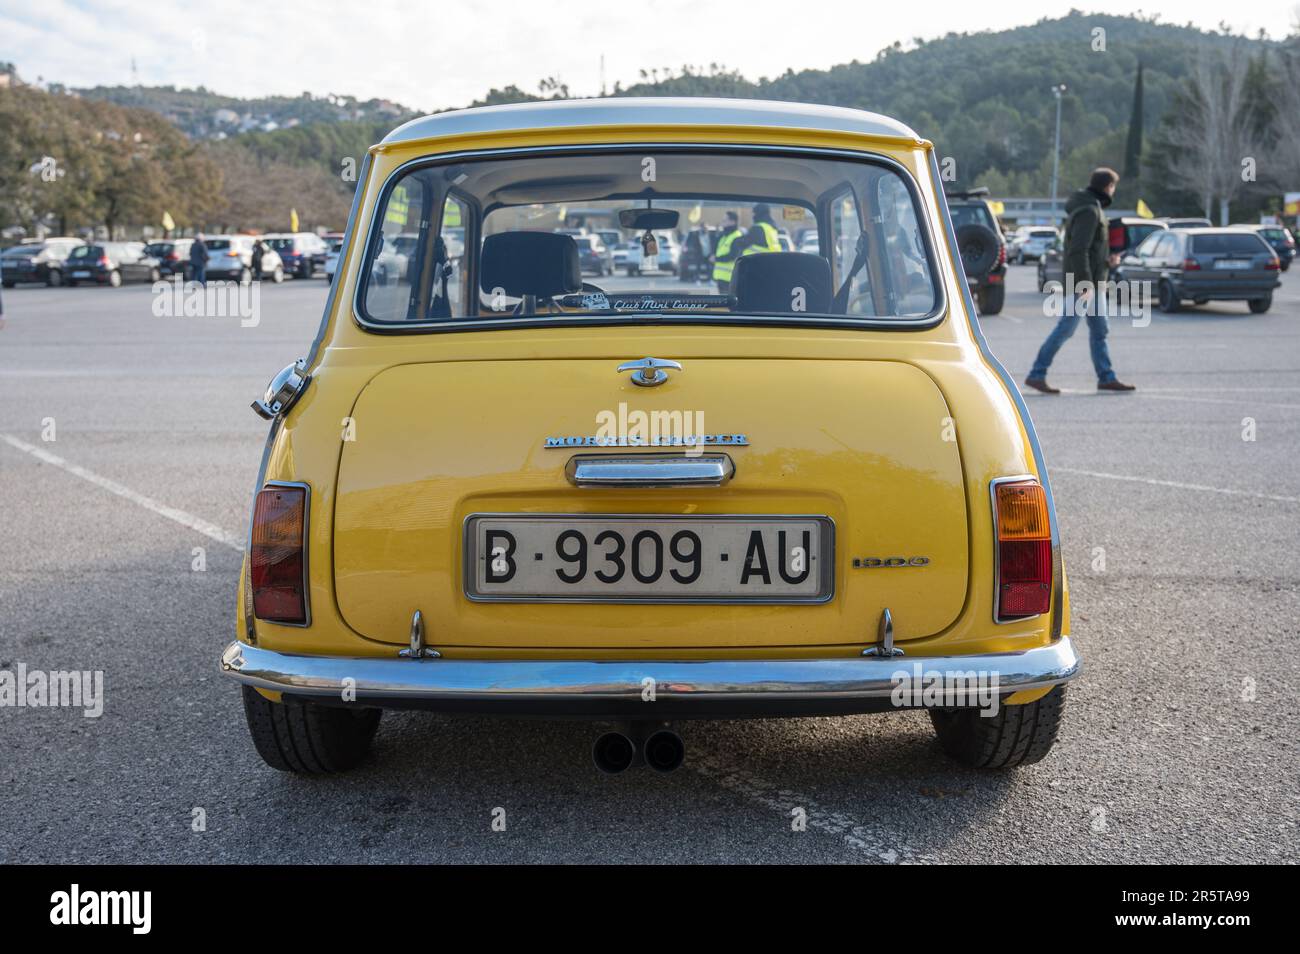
pixel 1181 540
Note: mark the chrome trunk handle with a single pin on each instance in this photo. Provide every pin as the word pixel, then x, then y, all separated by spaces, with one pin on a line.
pixel 649 470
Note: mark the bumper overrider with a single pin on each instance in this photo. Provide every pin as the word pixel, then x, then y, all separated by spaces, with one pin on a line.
pixel 645 688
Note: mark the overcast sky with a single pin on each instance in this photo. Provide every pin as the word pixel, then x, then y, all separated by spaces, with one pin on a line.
pixel 432 55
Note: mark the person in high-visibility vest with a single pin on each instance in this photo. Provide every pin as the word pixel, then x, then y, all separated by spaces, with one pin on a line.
pixel 724 256
pixel 762 235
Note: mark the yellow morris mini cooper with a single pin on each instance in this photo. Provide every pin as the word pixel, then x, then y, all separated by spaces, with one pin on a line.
pixel 769 468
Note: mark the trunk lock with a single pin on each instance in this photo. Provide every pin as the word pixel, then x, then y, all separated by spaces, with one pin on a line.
pixel 649 372
pixel 885 644
pixel 418 650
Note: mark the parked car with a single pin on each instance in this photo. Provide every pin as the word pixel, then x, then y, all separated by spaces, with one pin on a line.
pixel 480 550
pixel 1031 243
pixel 630 259
pixel 173 256
pixel 42 262
pixel 300 252
pixel 332 257
pixel 983 249
pixel 694 259
pixel 230 257
pixel 1203 265
pixel 1279 239
pixel 111 263
pixel 1124 234
pixel 593 257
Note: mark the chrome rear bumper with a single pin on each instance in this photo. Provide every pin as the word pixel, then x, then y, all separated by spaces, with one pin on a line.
pixel 621 688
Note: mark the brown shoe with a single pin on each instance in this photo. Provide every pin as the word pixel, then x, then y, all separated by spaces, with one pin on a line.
pixel 1115 386
pixel 1040 384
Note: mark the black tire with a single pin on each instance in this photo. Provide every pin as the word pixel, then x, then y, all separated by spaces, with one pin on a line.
pixel 54 278
pixel 1168 302
pixel 992 298
pixel 308 739
pixel 978 245
pixel 1260 305
pixel 1017 735
pixel 1286 264
pixel 8 284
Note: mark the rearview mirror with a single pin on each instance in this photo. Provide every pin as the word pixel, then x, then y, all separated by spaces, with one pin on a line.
pixel 643 220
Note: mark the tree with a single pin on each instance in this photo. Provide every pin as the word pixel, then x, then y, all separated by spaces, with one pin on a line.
pixel 1131 183
pixel 1215 138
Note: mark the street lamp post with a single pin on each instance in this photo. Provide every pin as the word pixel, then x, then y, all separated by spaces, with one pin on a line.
pixel 1056 151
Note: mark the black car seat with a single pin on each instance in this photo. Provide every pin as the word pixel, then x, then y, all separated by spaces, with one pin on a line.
pixel 781 282
pixel 532 266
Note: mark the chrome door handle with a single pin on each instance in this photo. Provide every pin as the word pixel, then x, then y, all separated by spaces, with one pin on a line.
pixel 647 372
pixel 649 470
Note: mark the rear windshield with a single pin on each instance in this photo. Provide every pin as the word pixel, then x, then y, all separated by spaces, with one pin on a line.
pixel 492 241
pixel 975 213
pixel 1043 233
pixel 86 251
pixel 281 244
pixel 1242 242
pixel 23 250
pixel 218 243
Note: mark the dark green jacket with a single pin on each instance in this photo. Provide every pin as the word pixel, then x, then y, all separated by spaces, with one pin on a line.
pixel 1087 238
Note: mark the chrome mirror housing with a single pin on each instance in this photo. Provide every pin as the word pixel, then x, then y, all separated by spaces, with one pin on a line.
pixel 285 388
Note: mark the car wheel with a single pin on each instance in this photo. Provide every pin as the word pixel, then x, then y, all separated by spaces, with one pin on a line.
pixel 308 739
pixel 115 278
pixel 54 279
pixel 1016 735
pixel 1260 305
pixel 1168 302
pixel 992 298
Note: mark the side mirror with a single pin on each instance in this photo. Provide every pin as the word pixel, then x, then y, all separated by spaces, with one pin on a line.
pixel 283 391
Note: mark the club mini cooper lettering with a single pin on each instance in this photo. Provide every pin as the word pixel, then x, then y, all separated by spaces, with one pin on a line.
pixel 451 558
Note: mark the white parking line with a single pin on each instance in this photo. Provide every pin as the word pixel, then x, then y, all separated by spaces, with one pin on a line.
pixel 856 835
pixel 210 530
pixel 1178 485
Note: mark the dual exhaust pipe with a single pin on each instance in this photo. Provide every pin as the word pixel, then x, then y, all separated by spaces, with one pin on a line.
pixel 614 752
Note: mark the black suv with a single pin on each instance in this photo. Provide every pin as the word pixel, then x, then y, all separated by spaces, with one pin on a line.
pixel 983 250
pixel 37 262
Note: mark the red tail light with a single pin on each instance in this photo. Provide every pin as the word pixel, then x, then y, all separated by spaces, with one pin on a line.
pixel 1002 254
pixel 173 256
pixel 103 260
pixel 1273 264
pixel 1191 265
pixel 278 559
pixel 1024 549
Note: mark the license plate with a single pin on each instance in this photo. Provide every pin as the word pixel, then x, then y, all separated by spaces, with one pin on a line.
pixel 542 558
pixel 81 274
pixel 1231 263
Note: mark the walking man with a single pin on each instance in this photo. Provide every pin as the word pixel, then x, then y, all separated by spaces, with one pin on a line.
pixel 199 260
pixel 1087 266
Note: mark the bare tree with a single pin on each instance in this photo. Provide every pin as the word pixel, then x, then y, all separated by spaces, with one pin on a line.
pixel 1216 141
pixel 1284 159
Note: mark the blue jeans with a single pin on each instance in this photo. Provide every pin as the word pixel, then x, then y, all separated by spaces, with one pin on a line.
pixel 200 273
pixel 1098 326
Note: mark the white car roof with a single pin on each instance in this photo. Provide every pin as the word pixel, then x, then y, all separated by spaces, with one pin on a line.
pixel 642 111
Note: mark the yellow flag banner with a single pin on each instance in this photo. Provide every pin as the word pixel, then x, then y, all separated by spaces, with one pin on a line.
pixel 293 220
pixel 1144 210
pixel 999 208
pixel 167 222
